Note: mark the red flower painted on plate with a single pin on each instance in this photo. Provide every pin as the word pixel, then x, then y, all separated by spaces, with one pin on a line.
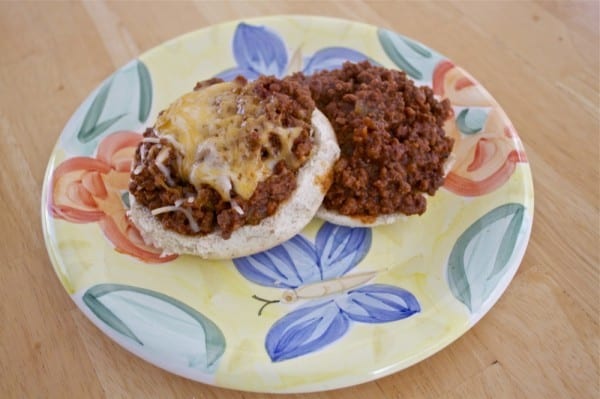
pixel 85 190
pixel 487 156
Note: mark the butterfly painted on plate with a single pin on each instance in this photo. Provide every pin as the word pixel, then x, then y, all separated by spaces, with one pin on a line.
pixel 330 298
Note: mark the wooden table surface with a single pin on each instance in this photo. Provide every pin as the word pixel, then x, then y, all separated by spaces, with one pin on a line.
pixel 540 60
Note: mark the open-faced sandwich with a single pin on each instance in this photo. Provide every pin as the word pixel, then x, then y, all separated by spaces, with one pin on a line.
pixel 232 168
pixel 394 150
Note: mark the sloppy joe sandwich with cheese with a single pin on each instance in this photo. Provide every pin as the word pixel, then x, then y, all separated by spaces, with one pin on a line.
pixel 394 151
pixel 232 168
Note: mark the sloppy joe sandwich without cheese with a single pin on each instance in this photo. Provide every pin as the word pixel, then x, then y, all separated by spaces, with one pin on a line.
pixel 394 150
pixel 232 168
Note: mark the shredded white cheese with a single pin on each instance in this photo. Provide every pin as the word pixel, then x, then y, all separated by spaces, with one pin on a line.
pixel 160 164
pixel 138 169
pixel 178 146
pixel 236 207
pixel 173 208
pixel 153 140
pixel 143 152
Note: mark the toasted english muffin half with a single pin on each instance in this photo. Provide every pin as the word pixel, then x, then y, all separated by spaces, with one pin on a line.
pixel 335 217
pixel 393 140
pixel 312 182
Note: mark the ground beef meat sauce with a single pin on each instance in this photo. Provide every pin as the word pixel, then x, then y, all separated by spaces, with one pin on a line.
pixel 393 147
pixel 200 209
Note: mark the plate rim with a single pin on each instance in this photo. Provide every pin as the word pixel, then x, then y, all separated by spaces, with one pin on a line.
pixel 518 254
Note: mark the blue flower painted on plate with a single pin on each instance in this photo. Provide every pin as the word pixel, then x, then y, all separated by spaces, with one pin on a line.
pixel 259 50
pixel 333 298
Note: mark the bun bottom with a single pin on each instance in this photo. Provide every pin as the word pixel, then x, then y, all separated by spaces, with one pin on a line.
pixel 291 216
pixel 367 221
pixel 358 221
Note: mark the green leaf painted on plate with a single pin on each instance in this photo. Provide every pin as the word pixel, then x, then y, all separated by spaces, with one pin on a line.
pixel 417 48
pixel 88 130
pixel 125 199
pixel 90 298
pixel 508 242
pixel 145 91
pixel 417 60
pixel 481 254
pixel 386 38
pixel 101 128
pixel 471 120
pixel 168 329
pixel 122 102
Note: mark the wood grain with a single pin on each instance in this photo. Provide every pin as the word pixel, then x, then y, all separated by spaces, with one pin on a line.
pixel 540 60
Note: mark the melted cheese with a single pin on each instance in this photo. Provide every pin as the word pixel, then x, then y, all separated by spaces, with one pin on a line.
pixel 211 127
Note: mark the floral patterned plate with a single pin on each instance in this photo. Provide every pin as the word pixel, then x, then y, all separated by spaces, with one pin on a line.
pixel 332 307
